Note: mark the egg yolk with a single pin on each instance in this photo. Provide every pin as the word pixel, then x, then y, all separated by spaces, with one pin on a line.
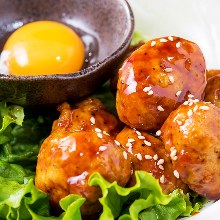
pixel 44 47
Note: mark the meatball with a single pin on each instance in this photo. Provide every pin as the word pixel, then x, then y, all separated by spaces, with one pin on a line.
pixel 87 115
pixel 212 90
pixel 156 79
pixel 148 153
pixel 71 154
pixel 191 135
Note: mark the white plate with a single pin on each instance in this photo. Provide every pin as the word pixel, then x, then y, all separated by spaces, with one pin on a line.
pixel 195 20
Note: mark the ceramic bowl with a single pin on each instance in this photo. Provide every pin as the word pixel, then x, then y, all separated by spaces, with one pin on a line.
pixel 109 23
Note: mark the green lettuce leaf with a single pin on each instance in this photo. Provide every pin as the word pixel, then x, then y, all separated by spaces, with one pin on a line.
pixel 14 172
pixel 137 37
pixel 20 138
pixel 15 199
pixel 106 96
pixel 145 200
pixel 24 201
pixel 9 115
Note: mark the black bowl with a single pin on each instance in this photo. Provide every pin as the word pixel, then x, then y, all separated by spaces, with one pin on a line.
pixel 110 23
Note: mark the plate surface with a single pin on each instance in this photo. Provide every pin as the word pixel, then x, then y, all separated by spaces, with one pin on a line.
pixel 195 20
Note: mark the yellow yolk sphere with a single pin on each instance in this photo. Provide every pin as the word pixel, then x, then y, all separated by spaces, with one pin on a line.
pixel 44 47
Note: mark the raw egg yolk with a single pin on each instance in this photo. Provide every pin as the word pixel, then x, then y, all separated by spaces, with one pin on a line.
pixel 44 47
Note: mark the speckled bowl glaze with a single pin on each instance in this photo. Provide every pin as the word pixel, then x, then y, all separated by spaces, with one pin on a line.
pixel 111 22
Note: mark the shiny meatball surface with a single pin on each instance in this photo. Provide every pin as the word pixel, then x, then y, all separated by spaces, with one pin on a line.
pixel 72 153
pixel 156 78
pixel 148 153
pixel 191 135
pixel 212 90
pixel 87 115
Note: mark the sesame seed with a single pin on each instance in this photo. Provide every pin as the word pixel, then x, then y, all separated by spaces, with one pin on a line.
pixel 130 150
pixel 204 108
pixel 138 133
pixel 97 152
pixel 98 130
pixel 173 153
pixel 147 143
pixel 190 103
pixel 161 167
pixel 170 58
pixel 195 108
pixel 160 108
pixel 170 38
pixel 176 174
pixel 160 162
pixel 92 120
pixel 186 103
pixel 147 89
pixel 139 156
pixel 125 155
pixel 158 133
pixel 99 135
pixel 153 43
pixel 195 100
pixel 162 40
pixel 148 157
pixel 168 69
pixel 150 92
pixel 155 157
pixel 81 154
pixel 131 140
pixel 141 137
pixel 190 113
pixel 171 78
pixel 104 132
pixel 178 45
pixel 117 143
pixel 190 96
pixel 172 148
pixel 178 93
pixel 162 179
pixel 128 144
pixel 174 158
pixel 102 148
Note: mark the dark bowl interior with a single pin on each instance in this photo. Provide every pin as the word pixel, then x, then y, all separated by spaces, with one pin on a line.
pixel 108 24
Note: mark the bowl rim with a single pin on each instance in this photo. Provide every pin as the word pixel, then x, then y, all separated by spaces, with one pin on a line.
pixel 89 70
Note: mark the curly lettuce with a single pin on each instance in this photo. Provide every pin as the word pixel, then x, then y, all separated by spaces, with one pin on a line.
pixel 145 200
pixel 24 201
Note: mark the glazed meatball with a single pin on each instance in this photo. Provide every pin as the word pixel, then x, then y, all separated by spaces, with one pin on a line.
pixel 88 115
pixel 148 153
pixel 191 135
pixel 70 155
pixel 156 79
pixel 212 90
